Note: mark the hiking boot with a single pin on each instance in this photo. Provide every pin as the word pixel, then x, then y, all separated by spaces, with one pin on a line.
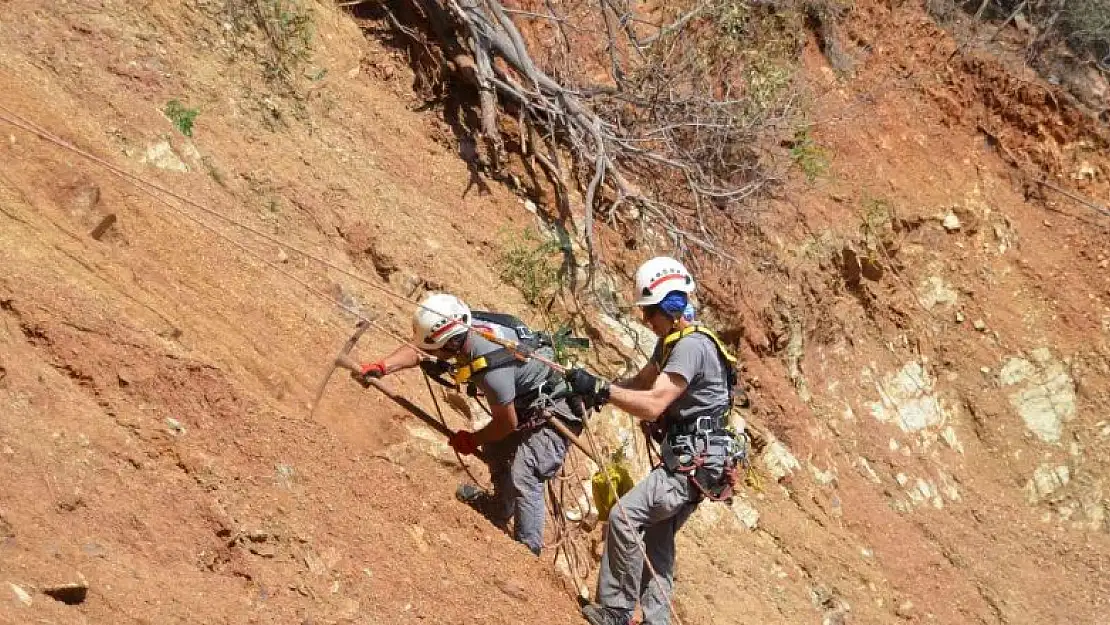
pixel 601 615
pixel 471 495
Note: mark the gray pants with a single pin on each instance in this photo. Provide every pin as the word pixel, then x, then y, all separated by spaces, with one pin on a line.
pixel 656 508
pixel 520 464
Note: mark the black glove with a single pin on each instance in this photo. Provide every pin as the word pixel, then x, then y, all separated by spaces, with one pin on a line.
pixel 436 370
pixel 594 391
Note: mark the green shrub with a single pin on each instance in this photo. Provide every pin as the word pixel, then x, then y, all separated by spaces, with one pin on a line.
pixel 181 116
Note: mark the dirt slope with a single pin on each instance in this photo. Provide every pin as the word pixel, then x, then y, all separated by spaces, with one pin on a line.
pixel 153 384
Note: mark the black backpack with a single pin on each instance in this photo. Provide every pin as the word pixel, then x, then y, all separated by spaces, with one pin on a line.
pixel 524 334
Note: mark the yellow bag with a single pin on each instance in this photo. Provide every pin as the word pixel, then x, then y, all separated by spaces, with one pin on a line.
pixel 614 475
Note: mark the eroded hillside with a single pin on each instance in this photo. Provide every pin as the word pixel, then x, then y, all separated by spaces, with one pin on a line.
pixel 925 330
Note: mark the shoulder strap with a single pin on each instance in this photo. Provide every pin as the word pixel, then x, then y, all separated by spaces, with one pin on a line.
pixel 672 339
pixel 727 359
pixel 482 364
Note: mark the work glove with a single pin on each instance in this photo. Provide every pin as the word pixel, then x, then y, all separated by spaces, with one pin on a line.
pixel 593 390
pixel 436 370
pixel 370 370
pixel 463 442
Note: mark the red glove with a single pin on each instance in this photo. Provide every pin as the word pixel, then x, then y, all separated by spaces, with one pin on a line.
pixel 463 442
pixel 372 370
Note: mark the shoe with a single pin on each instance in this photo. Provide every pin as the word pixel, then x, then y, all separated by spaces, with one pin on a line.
pixel 601 615
pixel 471 494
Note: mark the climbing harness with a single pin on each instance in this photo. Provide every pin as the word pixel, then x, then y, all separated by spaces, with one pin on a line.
pixel 707 450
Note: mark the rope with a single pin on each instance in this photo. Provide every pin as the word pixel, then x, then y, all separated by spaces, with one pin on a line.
pixel 146 186
pixel 639 540
pixel 439 413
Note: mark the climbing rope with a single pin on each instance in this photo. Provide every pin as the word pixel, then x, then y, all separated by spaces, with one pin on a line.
pixel 439 413
pixel 149 188
pixel 639 539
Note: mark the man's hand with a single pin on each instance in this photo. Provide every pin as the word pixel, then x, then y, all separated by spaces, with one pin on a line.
pixel 463 442
pixel 594 391
pixel 370 370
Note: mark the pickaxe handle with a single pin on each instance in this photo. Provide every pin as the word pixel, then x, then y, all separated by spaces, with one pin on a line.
pixel 345 362
pixel 562 428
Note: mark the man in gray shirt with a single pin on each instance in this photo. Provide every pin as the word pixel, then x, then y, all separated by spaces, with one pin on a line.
pixel 687 386
pixel 522 449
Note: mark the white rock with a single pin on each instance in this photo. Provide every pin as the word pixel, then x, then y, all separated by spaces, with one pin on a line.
pixel 824 478
pixel 162 156
pixel 909 398
pixel 1046 481
pixel 935 291
pixel 901 479
pixel 1096 515
pixel 951 222
pixel 633 335
pixel 866 470
pixel 778 460
pixel 949 436
pixel 745 513
pixel 23 596
pixel 1045 398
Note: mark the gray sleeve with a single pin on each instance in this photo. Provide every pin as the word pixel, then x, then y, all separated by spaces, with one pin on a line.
pixel 499 385
pixel 687 359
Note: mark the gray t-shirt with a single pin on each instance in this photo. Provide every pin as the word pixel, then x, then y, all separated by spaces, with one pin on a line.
pixel 696 359
pixel 504 384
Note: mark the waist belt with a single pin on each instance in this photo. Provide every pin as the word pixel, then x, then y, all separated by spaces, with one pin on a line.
pixel 697 426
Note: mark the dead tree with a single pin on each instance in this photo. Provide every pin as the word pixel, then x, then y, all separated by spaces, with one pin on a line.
pixel 672 138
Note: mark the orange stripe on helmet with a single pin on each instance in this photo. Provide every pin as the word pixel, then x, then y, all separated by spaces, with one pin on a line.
pixel 659 281
pixel 447 326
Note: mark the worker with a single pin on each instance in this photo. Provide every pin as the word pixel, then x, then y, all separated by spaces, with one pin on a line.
pixel 686 388
pixel 521 447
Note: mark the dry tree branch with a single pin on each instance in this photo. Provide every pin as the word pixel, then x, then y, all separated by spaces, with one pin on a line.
pixel 672 140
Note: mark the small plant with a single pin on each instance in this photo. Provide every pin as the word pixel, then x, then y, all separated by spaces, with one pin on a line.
pixel 288 26
pixel 181 116
pixel 811 158
pixel 529 262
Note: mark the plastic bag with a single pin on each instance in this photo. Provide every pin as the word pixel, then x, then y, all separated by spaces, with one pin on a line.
pixel 602 483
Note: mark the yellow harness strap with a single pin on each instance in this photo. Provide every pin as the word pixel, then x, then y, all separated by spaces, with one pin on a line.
pixel 463 373
pixel 672 339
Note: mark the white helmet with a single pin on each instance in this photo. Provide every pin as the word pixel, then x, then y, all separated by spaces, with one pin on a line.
pixel 439 318
pixel 659 276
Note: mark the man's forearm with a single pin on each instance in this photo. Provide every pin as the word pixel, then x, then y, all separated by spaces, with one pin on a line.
pixel 404 357
pixel 640 404
pixel 503 423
